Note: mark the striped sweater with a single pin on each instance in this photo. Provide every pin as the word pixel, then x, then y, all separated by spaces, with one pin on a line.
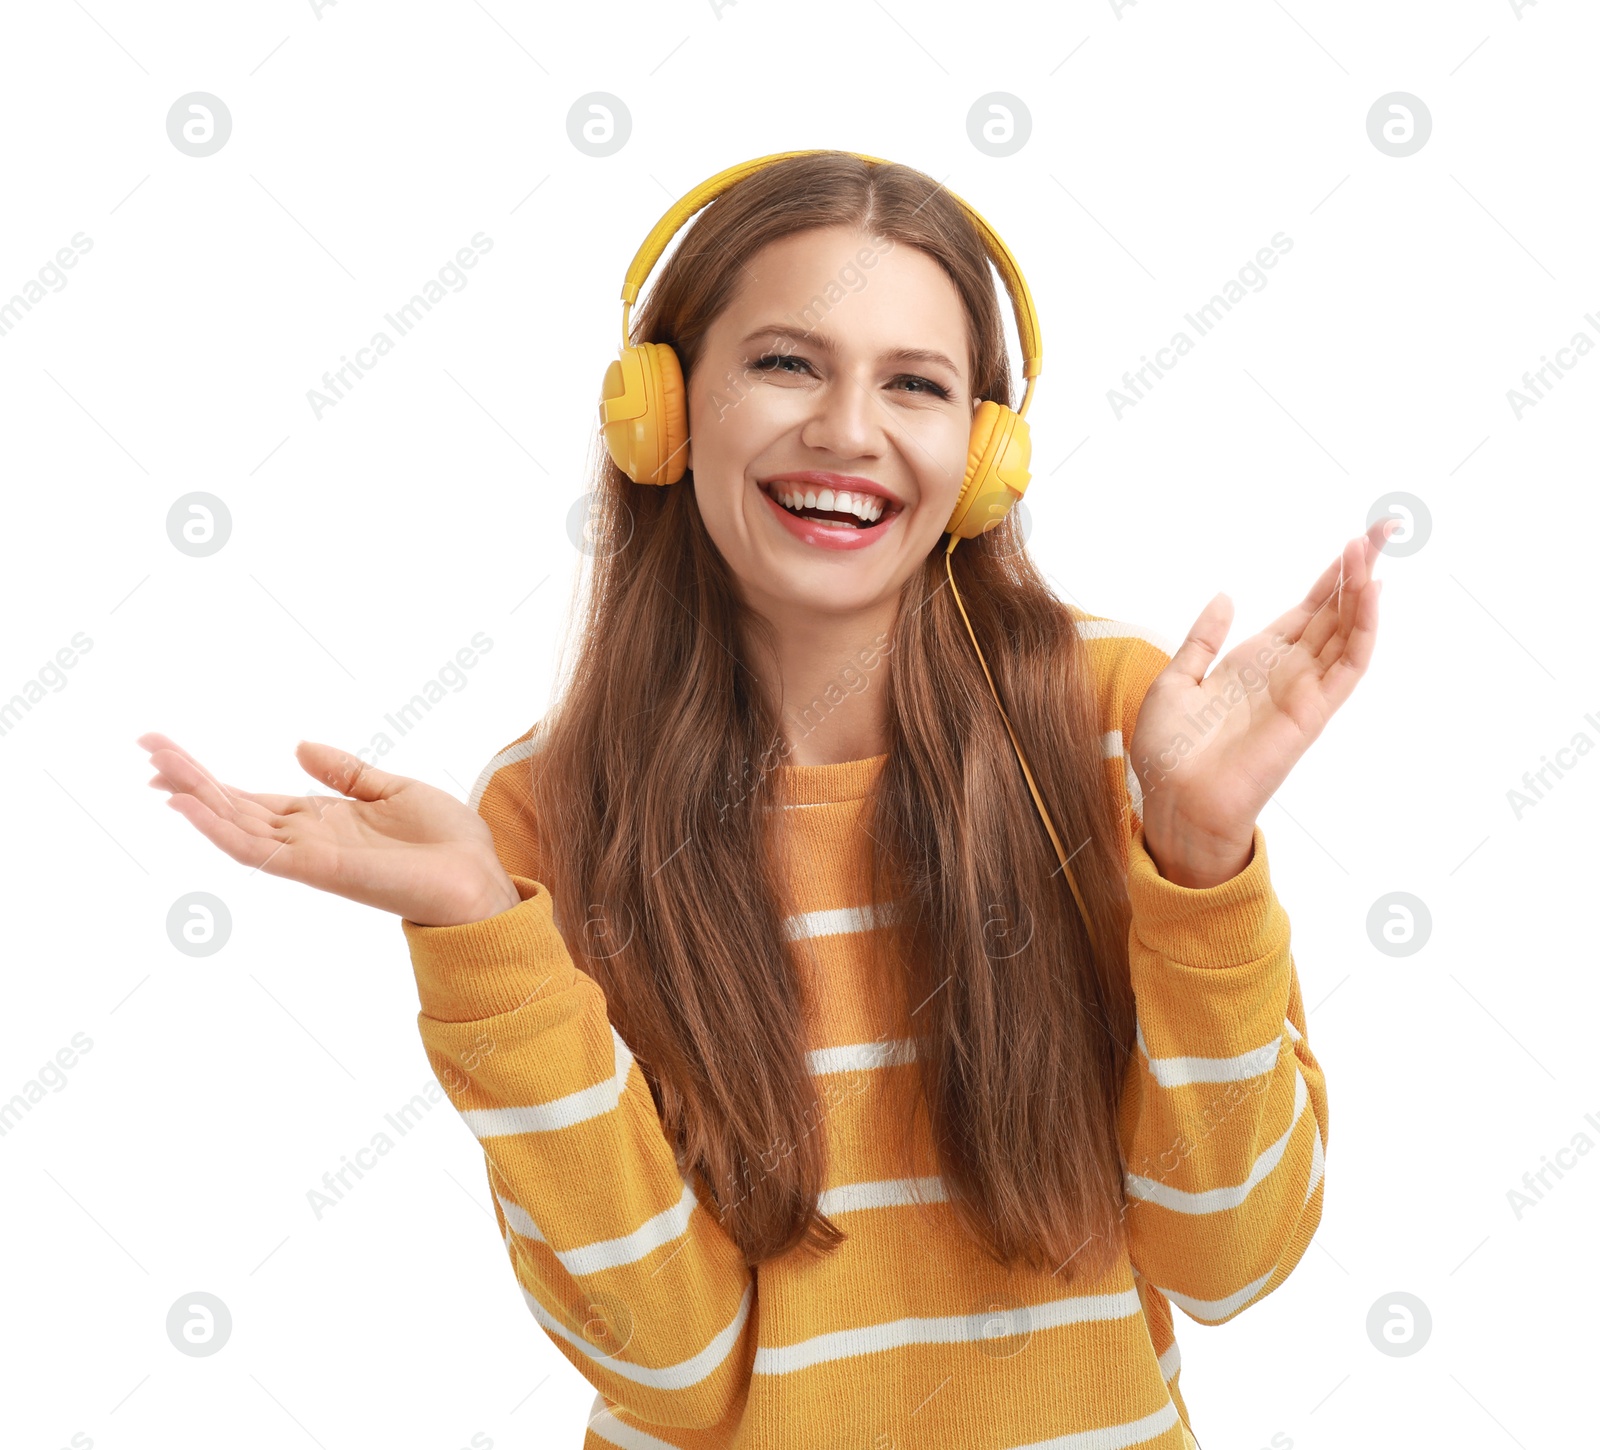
pixel 908 1333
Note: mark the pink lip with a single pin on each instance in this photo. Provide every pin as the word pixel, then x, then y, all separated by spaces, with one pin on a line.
pixel 827 536
pixel 849 482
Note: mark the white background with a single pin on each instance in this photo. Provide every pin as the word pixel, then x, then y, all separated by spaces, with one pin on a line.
pixel 1169 143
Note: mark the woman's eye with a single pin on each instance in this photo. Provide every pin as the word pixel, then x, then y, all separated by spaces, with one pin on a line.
pixel 764 363
pixel 768 362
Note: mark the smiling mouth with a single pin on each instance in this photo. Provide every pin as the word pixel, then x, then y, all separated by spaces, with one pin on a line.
pixel 844 509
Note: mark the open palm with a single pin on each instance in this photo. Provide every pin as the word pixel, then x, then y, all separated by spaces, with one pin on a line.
pixel 1210 749
pixel 385 840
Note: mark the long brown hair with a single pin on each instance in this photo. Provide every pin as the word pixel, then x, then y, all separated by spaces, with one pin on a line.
pixel 672 897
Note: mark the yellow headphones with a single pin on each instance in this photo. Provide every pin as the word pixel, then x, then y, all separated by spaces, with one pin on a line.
pixel 644 413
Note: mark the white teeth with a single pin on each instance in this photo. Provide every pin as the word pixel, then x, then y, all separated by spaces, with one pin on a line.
pixel 867 507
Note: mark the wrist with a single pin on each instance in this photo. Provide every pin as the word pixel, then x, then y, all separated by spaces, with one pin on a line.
pixel 498 899
pixel 1195 859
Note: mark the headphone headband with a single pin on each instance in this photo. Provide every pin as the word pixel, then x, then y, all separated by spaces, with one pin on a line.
pixel 650 250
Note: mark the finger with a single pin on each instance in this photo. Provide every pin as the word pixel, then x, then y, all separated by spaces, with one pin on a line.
pixel 272 805
pixel 1346 671
pixel 265 852
pixel 1359 555
pixel 278 805
pixel 1338 645
pixel 1331 618
pixel 194 779
pixel 153 740
pixel 157 744
pixel 348 774
pixel 1350 586
pixel 1205 639
pixel 1310 613
pixel 1358 559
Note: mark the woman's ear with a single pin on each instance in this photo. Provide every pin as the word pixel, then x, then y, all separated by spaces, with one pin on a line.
pixel 688 454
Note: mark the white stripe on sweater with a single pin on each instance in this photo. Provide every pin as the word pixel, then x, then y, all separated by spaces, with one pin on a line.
pixel 1215 1200
pixel 1184 1071
pixel 1120 629
pixel 1112 1437
pixel 947 1329
pixel 881 1193
pixel 609 1428
pixel 671 1223
pixel 509 756
pixel 578 1107
pixel 862 1056
pixel 1214 1311
pixel 837 922
pixel 678 1376
pixel 1111 747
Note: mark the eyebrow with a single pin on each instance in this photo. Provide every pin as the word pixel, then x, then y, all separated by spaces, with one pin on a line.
pixel 827 344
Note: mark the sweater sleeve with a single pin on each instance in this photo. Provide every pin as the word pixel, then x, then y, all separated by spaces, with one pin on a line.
pixel 1224 1114
pixel 621 1264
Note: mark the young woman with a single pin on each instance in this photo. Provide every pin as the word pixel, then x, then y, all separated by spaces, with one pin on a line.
pixel 814 1109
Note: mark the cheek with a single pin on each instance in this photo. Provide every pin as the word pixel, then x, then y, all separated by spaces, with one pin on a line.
pixel 940 482
pixel 728 427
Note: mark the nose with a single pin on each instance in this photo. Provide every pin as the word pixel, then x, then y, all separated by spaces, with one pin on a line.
pixel 846 420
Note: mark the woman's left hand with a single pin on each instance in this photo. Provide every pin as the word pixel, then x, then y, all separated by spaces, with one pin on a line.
pixel 1211 749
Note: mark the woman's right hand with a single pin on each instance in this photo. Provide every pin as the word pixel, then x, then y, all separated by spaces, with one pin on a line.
pixel 386 840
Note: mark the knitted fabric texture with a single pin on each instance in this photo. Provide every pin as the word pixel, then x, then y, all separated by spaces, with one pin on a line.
pixel 908 1333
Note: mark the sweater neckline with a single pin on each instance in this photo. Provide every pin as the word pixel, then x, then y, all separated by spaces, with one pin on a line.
pixel 816 785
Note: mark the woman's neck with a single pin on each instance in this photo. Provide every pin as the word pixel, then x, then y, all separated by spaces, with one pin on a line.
pixel 829 682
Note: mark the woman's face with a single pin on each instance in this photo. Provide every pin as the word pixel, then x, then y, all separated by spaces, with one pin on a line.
pixel 844 355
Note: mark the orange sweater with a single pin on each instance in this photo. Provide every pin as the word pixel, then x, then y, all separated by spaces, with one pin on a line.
pixel 908 1333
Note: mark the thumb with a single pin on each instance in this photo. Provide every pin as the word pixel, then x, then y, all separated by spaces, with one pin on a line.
pixel 346 773
pixel 1205 639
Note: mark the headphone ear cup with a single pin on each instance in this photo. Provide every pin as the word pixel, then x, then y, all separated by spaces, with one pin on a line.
pixel 642 413
pixel 999 451
pixel 674 412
